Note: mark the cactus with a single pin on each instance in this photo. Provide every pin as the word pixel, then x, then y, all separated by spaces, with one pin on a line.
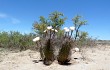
pixel 48 52
pixel 64 55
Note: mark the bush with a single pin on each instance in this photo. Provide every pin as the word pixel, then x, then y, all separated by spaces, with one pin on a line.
pixel 16 40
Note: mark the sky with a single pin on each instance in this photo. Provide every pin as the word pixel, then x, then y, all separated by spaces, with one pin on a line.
pixel 19 15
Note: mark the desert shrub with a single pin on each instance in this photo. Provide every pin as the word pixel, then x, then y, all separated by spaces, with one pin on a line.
pixel 16 40
pixel 91 42
pixel 82 39
pixel 4 39
pixel 85 42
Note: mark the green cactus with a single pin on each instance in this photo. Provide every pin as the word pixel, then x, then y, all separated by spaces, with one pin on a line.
pixel 48 52
pixel 64 55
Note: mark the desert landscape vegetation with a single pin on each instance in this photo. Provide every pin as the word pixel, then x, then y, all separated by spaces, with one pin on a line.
pixel 51 47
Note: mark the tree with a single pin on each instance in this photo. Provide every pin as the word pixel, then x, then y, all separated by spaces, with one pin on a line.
pixel 80 36
pixel 55 19
pixel 78 23
pixel 39 27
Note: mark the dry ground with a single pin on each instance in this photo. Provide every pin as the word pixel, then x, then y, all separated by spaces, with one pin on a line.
pixel 97 58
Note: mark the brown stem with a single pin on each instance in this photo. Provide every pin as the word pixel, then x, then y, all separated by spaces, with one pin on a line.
pixel 40 43
pixel 50 34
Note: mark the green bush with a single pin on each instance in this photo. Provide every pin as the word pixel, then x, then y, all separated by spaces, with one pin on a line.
pixel 16 40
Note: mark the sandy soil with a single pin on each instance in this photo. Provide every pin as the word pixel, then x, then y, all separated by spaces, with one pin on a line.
pixel 97 58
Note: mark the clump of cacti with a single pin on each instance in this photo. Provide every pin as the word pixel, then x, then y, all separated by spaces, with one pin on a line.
pixel 64 55
pixel 49 45
pixel 48 52
pixel 47 48
pixel 39 44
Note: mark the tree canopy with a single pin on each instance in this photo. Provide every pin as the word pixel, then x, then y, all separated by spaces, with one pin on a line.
pixel 57 20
